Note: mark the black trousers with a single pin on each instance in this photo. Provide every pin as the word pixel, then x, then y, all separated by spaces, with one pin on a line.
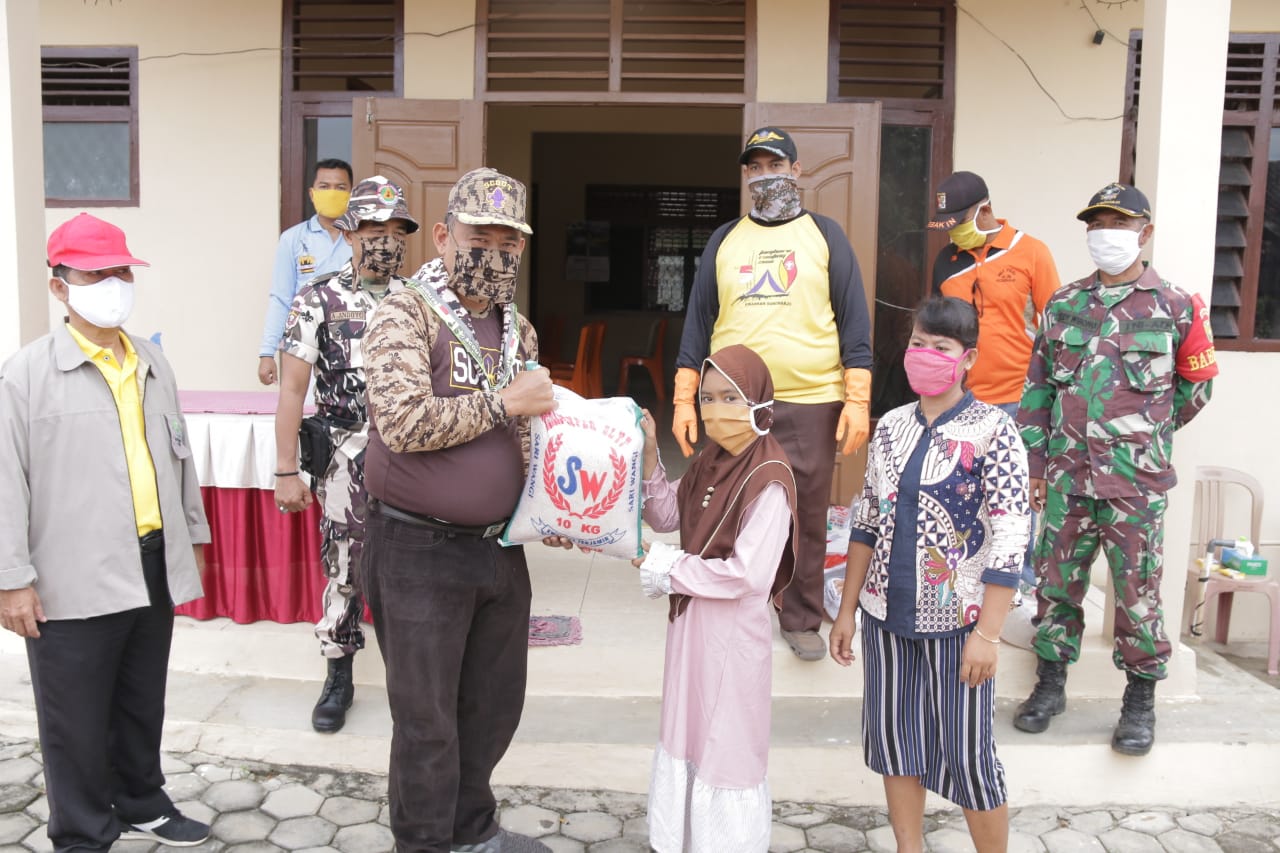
pixel 451 613
pixel 807 431
pixel 99 686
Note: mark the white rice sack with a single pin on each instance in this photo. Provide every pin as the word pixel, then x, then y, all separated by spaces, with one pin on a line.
pixel 584 476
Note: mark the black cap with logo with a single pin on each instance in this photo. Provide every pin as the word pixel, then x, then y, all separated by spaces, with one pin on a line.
pixel 956 194
pixel 1119 197
pixel 775 140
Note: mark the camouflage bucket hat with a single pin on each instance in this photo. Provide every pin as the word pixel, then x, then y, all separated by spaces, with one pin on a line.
pixel 488 197
pixel 375 200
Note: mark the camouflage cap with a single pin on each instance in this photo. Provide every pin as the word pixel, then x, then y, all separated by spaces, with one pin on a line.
pixel 487 197
pixel 375 200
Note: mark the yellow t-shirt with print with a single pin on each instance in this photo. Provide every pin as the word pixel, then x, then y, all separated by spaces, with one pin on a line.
pixel 775 297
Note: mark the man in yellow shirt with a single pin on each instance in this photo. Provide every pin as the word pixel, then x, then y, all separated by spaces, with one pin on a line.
pixel 101 532
pixel 784 281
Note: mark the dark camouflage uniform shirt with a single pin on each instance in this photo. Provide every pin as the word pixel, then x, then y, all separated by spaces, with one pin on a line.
pixel 325 328
pixel 410 416
pixel 1116 369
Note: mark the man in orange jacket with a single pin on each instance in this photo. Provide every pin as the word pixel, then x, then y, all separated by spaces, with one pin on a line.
pixel 784 281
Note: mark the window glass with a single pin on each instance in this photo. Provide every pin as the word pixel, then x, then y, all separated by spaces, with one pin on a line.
pixel 1267 319
pixel 86 160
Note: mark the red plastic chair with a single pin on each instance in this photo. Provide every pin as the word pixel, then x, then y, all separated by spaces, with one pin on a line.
pixel 653 362
pixel 583 376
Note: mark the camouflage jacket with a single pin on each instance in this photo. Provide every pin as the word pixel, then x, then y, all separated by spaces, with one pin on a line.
pixel 410 417
pixel 325 328
pixel 1116 369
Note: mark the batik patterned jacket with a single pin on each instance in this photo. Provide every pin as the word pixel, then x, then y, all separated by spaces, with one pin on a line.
pixel 1116 369
pixel 974 516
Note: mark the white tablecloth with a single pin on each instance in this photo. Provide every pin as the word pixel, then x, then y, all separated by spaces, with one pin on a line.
pixel 233 451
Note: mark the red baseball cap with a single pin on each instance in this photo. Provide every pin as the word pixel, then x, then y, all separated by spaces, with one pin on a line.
pixel 88 243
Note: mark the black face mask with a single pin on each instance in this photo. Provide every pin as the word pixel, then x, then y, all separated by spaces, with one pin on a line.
pixel 381 256
pixel 485 274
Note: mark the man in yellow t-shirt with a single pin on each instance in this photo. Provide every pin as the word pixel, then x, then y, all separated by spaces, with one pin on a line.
pixel 102 534
pixel 784 281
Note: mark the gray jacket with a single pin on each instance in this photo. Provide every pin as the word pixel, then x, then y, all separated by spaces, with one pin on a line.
pixel 66 510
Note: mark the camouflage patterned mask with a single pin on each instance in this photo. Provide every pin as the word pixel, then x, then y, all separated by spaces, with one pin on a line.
pixel 382 256
pixel 774 197
pixel 485 274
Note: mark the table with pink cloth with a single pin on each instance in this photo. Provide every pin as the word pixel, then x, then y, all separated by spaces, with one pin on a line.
pixel 262 564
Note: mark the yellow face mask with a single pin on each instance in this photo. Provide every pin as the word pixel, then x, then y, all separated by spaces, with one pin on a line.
pixel 967 235
pixel 330 203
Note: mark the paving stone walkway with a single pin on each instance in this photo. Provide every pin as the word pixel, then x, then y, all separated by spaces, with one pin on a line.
pixel 261 808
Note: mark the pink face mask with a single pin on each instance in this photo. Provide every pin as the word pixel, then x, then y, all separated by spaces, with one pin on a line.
pixel 931 372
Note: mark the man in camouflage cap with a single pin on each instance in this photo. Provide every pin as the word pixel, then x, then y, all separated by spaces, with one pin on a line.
pixel 449 402
pixel 324 329
pixel 1123 358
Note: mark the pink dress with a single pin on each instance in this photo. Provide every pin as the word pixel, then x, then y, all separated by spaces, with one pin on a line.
pixel 708 789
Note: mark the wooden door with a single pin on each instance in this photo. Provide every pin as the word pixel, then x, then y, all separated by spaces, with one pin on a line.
pixel 838 148
pixel 424 146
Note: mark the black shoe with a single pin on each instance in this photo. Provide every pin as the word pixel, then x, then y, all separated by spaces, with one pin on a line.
pixel 1136 731
pixel 330 713
pixel 175 830
pixel 1047 700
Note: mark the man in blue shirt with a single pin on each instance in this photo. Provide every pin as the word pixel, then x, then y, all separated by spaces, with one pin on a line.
pixel 306 250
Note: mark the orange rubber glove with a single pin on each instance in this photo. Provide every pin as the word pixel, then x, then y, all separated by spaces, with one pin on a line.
pixel 684 422
pixel 855 418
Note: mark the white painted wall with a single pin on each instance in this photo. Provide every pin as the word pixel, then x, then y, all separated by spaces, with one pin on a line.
pixel 209 153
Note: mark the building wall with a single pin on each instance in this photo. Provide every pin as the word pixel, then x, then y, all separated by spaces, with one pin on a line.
pixel 209 136
pixel 209 155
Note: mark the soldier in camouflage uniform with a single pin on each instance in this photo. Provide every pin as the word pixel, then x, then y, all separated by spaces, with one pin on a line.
pixel 324 328
pixel 449 405
pixel 1123 358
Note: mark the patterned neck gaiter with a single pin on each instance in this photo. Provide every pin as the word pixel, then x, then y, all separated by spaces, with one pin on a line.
pixel 382 256
pixel 485 274
pixel 774 197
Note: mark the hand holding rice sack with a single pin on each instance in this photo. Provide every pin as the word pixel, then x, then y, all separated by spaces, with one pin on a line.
pixel 582 486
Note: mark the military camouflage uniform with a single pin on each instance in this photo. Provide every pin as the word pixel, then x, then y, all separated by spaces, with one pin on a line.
pixel 1116 369
pixel 325 326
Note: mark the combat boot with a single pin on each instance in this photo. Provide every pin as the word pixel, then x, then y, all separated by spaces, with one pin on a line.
pixel 1048 698
pixel 1136 731
pixel 330 713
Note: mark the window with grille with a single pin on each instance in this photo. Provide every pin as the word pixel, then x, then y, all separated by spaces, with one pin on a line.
pixel 891 49
pixel 616 46
pixel 656 236
pixel 331 51
pixel 89 98
pixel 902 54
pixel 1245 303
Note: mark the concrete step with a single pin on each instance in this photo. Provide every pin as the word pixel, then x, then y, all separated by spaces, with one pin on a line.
pixel 1222 749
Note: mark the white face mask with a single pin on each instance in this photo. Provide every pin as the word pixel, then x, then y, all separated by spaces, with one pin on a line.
pixel 1113 249
pixel 106 304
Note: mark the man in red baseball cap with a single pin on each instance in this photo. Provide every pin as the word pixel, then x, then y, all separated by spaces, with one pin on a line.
pixel 102 536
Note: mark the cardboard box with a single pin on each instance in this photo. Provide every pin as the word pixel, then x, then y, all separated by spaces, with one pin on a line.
pixel 1233 559
pixel 846 481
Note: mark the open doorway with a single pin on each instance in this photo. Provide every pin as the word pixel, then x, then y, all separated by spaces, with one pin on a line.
pixel 623 200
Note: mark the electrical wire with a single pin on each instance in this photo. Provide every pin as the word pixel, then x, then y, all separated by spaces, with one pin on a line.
pixel 1032 72
pixel 1084 4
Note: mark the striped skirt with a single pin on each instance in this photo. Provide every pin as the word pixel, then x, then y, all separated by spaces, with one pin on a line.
pixel 919 719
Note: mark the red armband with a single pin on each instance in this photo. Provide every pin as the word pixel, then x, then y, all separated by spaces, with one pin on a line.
pixel 1197 359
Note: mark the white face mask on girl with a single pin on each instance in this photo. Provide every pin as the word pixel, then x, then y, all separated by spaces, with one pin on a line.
pixel 1113 250
pixel 106 304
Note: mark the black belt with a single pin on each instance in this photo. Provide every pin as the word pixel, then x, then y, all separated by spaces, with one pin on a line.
pixel 152 542
pixel 443 526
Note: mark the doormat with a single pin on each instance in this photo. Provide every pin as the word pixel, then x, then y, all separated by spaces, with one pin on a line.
pixel 554 631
